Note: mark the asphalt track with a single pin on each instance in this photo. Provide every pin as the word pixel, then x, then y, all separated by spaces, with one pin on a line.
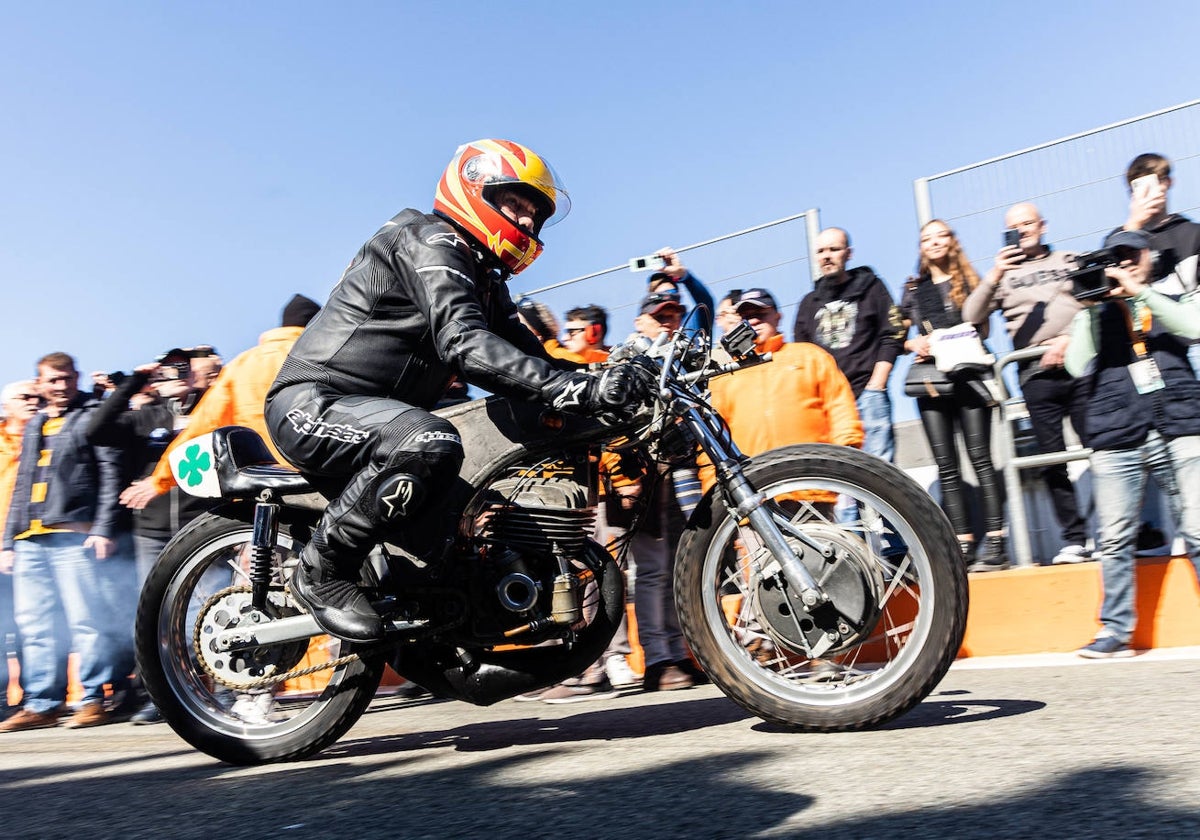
pixel 1047 747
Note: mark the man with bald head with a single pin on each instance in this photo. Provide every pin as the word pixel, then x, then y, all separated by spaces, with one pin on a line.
pixel 851 315
pixel 1029 283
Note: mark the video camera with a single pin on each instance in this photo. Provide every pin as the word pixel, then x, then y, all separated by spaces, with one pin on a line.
pixel 1088 280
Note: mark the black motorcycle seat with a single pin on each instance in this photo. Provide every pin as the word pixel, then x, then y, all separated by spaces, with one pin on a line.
pixel 245 466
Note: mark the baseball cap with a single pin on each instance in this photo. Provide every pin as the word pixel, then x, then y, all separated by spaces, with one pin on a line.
pixel 175 356
pixel 757 298
pixel 654 303
pixel 1127 239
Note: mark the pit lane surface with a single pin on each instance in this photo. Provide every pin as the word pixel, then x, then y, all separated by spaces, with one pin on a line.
pixel 1036 747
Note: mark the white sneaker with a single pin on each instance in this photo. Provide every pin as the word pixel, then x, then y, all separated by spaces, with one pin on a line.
pixel 258 709
pixel 1072 554
pixel 619 672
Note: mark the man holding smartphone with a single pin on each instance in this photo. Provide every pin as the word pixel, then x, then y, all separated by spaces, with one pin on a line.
pixel 1029 283
pixel 1174 238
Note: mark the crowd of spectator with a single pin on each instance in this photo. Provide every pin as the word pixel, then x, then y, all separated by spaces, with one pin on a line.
pixel 89 500
pixel 89 503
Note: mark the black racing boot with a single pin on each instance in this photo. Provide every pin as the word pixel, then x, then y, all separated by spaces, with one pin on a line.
pixel 334 599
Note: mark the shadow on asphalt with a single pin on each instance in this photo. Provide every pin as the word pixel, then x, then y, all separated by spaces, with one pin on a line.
pixel 516 796
pixel 597 724
pixel 932 713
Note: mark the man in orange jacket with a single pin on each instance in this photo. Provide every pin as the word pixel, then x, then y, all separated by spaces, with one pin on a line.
pixel 800 397
pixel 235 399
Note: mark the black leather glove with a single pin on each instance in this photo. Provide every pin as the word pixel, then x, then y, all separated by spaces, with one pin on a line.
pixel 616 390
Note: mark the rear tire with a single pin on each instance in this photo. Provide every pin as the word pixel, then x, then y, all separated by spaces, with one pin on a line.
pixel 206 557
pixel 907 557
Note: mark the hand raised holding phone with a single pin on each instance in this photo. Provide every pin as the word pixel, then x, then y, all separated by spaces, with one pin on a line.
pixel 1010 254
pixel 1148 201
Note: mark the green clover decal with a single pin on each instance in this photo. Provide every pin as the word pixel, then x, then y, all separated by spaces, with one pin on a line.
pixel 194 465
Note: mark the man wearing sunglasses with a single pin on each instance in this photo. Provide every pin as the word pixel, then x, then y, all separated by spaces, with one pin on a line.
pixel 1142 418
pixel 584 332
pixel 668 666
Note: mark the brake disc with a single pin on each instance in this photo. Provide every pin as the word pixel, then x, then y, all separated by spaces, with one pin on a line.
pixel 851 579
pixel 231 609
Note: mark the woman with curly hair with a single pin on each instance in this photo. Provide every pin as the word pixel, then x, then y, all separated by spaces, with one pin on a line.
pixel 932 300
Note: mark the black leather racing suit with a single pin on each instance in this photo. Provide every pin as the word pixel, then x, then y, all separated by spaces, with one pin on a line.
pixel 350 407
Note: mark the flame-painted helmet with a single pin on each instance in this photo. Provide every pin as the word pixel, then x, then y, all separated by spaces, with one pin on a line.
pixel 466 196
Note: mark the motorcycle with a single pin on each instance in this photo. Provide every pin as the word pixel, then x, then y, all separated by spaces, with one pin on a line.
pixel 819 587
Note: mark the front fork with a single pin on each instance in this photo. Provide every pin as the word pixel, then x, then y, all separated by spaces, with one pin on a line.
pixel 749 506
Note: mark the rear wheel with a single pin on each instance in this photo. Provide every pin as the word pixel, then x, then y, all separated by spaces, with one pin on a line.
pixel 896 581
pixel 229 704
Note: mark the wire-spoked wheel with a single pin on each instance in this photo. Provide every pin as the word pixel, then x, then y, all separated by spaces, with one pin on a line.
pixel 897 585
pixel 227 704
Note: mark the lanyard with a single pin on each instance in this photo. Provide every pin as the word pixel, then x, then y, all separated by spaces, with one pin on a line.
pixel 1138 333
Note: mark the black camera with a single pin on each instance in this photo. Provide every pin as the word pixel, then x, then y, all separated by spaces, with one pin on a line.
pixel 1088 280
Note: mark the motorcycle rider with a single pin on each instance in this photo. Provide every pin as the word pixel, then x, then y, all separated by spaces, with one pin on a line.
pixel 423 300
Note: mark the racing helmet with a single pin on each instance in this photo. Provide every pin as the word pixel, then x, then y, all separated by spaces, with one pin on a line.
pixel 466 196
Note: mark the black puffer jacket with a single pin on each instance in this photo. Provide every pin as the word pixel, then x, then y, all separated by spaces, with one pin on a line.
pixel 143 436
pixel 416 306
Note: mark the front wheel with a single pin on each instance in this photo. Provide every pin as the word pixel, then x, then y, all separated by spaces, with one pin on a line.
pixel 236 707
pixel 895 577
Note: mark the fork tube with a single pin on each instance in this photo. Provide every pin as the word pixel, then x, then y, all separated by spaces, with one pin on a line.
pixel 748 504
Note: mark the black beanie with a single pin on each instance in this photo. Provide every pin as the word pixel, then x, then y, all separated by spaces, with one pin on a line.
pixel 299 311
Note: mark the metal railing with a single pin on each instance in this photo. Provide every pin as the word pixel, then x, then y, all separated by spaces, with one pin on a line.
pixel 768 255
pixel 1018 519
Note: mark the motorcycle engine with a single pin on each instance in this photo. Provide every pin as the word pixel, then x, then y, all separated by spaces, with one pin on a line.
pixel 535 528
pixel 540 516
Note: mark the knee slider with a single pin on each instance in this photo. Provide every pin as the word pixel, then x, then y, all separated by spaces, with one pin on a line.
pixel 398 494
pixel 424 456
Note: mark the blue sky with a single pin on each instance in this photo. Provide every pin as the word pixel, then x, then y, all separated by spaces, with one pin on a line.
pixel 173 172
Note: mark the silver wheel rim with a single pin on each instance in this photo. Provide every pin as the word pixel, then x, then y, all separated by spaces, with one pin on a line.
pixel 211 567
pixel 846 678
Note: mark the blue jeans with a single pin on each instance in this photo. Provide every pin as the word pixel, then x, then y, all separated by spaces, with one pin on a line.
pixel 10 638
pixel 654 594
pixel 875 411
pixel 57 580
pixel 1119 478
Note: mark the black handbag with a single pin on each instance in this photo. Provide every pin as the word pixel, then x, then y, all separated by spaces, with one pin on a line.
pixel 925 380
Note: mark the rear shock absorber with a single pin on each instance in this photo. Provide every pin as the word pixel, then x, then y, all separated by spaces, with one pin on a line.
pixel 262 549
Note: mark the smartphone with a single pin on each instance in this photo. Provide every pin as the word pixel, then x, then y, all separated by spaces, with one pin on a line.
pixel 1144 187
pixel 1012 238
pixel 651 263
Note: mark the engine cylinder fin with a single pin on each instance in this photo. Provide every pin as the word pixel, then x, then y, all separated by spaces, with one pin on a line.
pixel 535 529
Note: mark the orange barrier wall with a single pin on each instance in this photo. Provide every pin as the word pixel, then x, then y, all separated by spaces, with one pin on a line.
pixel 1049 609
